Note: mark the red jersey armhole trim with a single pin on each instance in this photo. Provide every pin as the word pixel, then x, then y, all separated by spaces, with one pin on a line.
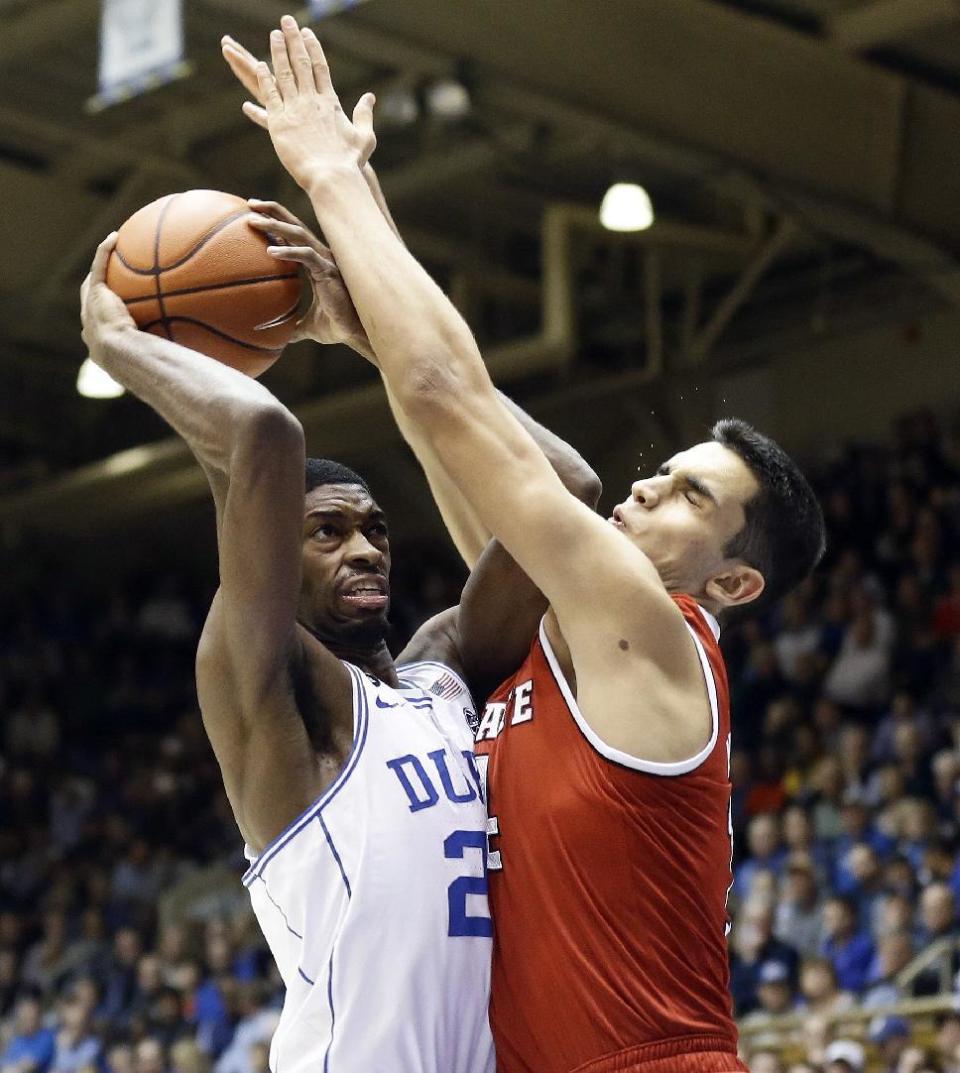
pixel 617 756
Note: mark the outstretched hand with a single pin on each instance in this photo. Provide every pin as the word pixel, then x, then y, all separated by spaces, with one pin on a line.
pixel 331 317
pixel 101 311
pixel 299 107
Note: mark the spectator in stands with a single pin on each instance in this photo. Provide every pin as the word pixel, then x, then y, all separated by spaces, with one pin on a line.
pixel 766 1061
pixel 187 1057
pixel 894 953
pixel 120 1059
pixel 914 1059
pixel 938 914
pixel 774 989
pixel 860 675
pixel 799 912
pixel 827 787
pixel 77 1047
pixel 120 976
pixel 816 1034
pixel 754 944
pixel 148 1057
pixel 890 1035
pixel 849 950
pixel 903 712
pixel 948 1039
pixel 819 989
pixel 844 1056
pixel 798 636
pixel 32 1045
pixel 766 853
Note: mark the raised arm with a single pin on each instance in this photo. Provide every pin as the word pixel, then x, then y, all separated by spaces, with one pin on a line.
pixel 252 449
pixel 433 368
pixel 489 634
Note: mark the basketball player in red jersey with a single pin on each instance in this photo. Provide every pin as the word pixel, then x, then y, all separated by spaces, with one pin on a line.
pixel 607 753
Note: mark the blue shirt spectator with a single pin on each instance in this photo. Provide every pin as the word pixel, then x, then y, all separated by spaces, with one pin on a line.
pixel 31 1043
pixel 850 952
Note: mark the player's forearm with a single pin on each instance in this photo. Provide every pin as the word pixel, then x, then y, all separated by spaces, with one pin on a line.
pixel 421 342
pixel 373 183
pixel 213 407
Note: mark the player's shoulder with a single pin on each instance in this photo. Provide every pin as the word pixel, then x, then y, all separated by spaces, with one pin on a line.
pixel 436 641
pixel 704 624
pixel 437 678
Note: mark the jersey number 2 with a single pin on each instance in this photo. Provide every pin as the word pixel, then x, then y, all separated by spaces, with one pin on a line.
pixel 460 921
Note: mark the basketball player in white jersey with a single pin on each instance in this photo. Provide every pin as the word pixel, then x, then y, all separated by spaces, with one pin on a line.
pixel 352 780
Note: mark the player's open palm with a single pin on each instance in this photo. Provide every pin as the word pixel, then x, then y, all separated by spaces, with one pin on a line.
pixel 332 316
pixel 309 129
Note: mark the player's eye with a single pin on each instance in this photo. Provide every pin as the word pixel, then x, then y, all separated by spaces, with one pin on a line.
pixel 691 497
pixel 325 532
pixel 378 529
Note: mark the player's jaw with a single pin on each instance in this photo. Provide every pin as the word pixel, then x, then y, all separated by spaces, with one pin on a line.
pixel 686 549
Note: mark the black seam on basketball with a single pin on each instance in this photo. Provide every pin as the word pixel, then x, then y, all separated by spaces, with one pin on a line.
pixel 214 331
pixel 156 264
pixel 158 268
pixel 211 287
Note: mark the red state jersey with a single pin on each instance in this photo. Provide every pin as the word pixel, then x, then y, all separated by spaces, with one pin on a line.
pixel 608 881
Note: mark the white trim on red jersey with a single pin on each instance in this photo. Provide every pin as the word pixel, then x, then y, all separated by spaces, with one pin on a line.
pixel 651 767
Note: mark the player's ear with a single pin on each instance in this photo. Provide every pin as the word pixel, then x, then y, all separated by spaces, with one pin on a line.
pixel 739 584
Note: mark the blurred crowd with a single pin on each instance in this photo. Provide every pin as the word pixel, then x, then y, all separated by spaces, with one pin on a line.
pixel 846 809
pixel 120 954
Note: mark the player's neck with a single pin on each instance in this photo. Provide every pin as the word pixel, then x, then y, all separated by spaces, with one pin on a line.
pixel 374 658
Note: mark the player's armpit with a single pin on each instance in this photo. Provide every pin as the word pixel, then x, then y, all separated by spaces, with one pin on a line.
pixel 270 760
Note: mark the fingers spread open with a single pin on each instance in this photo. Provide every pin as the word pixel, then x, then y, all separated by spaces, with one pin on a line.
pixel 281 65
pixel 299 60
pixel 321 69
pixel 256 114
pixel 269 93
pixel 363 115
pixel 242 64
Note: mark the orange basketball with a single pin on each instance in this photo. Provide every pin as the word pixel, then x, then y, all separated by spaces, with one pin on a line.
pixel 189 267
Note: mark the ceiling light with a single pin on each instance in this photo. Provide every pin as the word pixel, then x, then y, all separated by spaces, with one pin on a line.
pixel 94 383
pixel 447 99
pixel 626 207
pixel 397 107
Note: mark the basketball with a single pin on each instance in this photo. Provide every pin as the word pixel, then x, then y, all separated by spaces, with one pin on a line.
pixel 190 268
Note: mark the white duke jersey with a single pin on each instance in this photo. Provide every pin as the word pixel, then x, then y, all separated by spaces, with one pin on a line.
pixel 374 901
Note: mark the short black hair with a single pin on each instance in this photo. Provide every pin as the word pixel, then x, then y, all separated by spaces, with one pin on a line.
pixel 325 471
pixel 784 535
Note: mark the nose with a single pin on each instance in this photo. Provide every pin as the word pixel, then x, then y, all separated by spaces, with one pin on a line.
pixel 645 493
pixel 361 552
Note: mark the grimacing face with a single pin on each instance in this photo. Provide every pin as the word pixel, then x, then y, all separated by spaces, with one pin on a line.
pixel 684 516
pixel 345 592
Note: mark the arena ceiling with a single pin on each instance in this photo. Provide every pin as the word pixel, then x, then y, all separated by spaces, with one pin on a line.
pixel 796 151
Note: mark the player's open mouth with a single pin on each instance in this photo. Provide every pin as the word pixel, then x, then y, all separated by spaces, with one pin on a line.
pixel 368 593
pixel 615 520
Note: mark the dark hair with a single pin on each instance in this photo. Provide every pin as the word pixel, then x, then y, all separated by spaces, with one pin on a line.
pixel 325 471
pixel 784 536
